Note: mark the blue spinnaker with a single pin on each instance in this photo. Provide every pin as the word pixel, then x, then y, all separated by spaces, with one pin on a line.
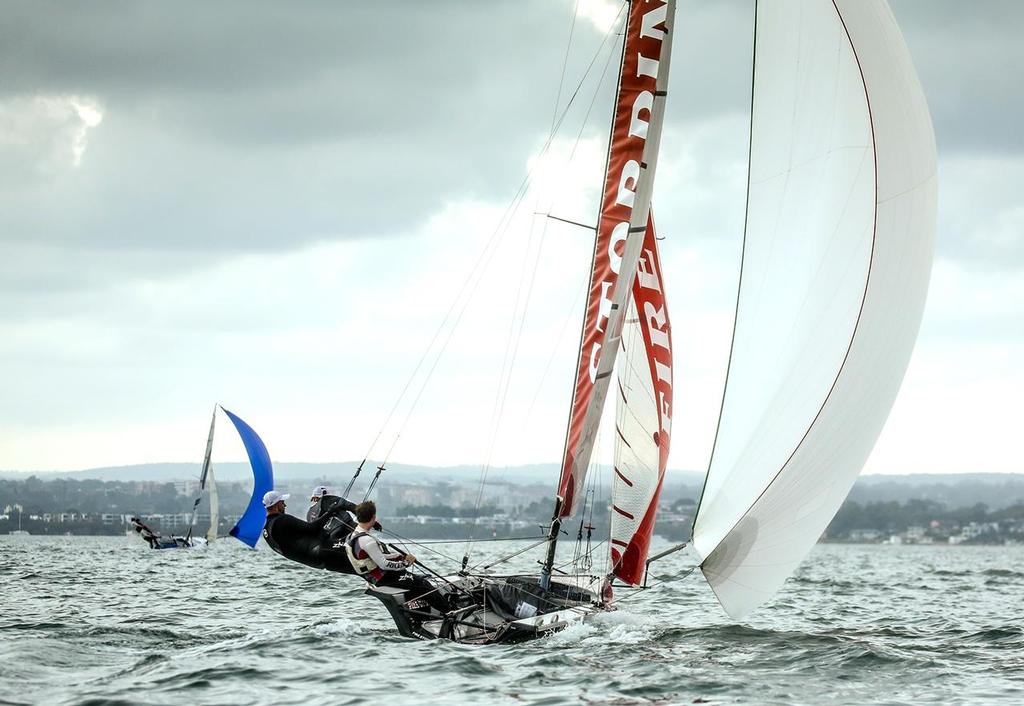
pixel 250 526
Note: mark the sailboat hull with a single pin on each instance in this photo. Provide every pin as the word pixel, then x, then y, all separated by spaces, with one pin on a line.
pixel 494 609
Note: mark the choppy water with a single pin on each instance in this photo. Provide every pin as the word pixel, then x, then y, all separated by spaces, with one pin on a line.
pixel 106 620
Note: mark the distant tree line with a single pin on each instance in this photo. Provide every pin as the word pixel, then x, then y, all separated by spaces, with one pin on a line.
pixel 93 497
pixel 39 496
pixel 894 517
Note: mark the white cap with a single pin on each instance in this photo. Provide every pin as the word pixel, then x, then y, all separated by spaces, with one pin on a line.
pixel 273 497
pixel 320 491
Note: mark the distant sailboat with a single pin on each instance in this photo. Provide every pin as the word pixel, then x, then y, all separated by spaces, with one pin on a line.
pixel 207 485
pixel 18 532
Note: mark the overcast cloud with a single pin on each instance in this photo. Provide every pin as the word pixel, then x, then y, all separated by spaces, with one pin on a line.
pixel 272 205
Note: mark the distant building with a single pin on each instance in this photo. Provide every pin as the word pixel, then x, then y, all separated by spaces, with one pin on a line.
pixel 865 535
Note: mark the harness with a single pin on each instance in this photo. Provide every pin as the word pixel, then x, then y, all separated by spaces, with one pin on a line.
pixel 361 561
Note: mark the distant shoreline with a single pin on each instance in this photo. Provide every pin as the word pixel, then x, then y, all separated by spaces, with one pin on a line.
pixel 833 542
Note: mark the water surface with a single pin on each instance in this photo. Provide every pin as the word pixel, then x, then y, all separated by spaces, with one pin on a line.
pixel 106 620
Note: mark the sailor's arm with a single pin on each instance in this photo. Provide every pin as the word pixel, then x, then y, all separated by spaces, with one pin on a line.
pixel 346 505
pixel 394 561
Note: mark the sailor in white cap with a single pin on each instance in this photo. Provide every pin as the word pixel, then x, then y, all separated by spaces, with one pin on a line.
pixel 305 542
pixel 316 504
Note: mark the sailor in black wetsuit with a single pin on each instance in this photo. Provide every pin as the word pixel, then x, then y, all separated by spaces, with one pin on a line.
pixel 317 504
pixel 305 542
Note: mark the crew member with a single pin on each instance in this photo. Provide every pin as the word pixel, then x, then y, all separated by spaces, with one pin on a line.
pixel 381 566
pixel 151 537
pixel 343 523
pixel 317 504
pixel 304 542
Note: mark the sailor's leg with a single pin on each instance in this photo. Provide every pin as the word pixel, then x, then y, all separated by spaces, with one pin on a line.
pixel 336 560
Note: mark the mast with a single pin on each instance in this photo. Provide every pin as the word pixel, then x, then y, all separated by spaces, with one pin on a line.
pixel 622 223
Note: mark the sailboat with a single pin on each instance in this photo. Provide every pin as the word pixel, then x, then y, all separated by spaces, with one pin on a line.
pixel 18 532
pixel 207 485
pixel 837 251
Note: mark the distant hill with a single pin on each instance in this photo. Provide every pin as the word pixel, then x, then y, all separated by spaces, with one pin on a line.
pixel 997 490
pixel 333 473
pixel 954 490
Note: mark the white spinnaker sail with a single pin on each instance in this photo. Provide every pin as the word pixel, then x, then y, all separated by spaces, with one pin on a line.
pixel 211 484
pixel 837 257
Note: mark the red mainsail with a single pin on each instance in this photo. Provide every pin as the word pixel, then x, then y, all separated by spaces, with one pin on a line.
pixel 632 157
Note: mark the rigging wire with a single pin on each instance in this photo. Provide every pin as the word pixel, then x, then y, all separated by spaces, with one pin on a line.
pixel 584 284
pixel 483 539
pixel 515 334
pixel 481 264
pixel 413 542
pixel 640 591
pixel 739 283
pixel 565 63
pixel 509 557
pixel 507 368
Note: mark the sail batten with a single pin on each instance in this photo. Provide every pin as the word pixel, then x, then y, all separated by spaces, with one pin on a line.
pixel 837 256
pixel 622 224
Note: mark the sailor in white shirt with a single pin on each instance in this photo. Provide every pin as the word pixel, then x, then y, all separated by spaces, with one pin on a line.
pixel 382 566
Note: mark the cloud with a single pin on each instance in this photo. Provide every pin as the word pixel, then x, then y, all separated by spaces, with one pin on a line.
pixel 966 55
pixel 272 206
pixel 981 221
pixel 43 136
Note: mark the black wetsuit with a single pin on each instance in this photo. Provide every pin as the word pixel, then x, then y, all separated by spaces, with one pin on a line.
pixel 325 503
pixel 343 523
pixel 307 542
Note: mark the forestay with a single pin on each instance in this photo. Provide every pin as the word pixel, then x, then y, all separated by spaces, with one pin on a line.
pixel 837 256
pixel 632 159
pixel 643 418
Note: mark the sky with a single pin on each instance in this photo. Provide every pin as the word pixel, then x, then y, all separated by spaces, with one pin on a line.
pixel 273 207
